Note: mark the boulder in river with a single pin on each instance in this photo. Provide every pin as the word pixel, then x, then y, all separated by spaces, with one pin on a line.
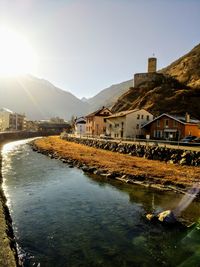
pixel 166 217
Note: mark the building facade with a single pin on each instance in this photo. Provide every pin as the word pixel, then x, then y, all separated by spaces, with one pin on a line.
pixel 80 126
pixel 95 124
pixel 173 127
pixel 11 121
pixel 127 124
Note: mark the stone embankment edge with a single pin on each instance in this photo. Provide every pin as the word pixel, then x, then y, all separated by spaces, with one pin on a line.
pixel 93 170
pixel 11 259
pixel 10 246
pixel 170 155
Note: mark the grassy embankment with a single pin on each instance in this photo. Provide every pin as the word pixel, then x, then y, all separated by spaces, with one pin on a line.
pixel 156 172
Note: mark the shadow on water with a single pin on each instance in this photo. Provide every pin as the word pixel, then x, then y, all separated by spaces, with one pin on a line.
pixel 62 217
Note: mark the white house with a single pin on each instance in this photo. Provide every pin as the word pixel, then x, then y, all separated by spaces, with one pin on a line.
pixel 80 126
pixel 11 121
pixel 127 124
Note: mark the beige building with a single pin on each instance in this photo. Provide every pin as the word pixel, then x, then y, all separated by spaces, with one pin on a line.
pixel 95 124
pixel 127 124
pixel 31 126
pixel 11 121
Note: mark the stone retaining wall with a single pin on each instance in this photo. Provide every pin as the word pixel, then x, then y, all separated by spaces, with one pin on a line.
pixel 13 136
pixel 8 251
pixel 174 156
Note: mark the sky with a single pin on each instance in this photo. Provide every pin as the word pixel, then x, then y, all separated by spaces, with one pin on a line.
pixel 84 46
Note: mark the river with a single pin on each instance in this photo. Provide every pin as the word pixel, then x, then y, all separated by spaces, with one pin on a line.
pixel 63 217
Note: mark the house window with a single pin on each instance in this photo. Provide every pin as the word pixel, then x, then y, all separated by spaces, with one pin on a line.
pixel 175 123
pixel 142 117
pixel 138 116
pixel 157 134
pixel 147 117
pixel 158 123
pixel 122 125
pixel 137 126
pixel 166 123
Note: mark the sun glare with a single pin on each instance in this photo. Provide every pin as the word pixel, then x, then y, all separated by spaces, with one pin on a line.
pixel 16 54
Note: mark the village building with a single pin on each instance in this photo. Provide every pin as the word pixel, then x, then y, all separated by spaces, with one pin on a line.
pixel 11 121
pixel 57 120
pixel 31 126
pixel 47 126
pixel 80 126
pixel 95 124
pixel 172 127
pixel 127 124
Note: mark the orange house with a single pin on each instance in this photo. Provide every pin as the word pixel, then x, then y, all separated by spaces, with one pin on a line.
pixel 172 127
pixel 95 124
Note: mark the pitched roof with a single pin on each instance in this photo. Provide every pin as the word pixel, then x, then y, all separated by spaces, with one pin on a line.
pixel 180 119
pixel 97 112
pixel 6 110
pixel 80 120
pixel 122 113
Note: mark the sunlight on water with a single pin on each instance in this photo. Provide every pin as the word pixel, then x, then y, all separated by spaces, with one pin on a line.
pixel 62 217
pixel 187 199
pixel 8 151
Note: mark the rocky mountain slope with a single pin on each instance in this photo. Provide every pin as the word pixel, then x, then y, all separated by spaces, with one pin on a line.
pixel 176 93
pixel 186 69
pixel 108 96
pixel 38 98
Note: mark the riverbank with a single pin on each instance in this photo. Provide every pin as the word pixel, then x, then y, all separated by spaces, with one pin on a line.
pixel 8 251
pixel 8 247
pixel 113 165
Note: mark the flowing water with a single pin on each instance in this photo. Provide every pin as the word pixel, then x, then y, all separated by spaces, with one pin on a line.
pixel 62 217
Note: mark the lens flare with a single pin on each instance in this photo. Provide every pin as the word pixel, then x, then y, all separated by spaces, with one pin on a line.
pixel 187 199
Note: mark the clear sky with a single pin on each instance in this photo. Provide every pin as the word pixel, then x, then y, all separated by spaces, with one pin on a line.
pixel 84 46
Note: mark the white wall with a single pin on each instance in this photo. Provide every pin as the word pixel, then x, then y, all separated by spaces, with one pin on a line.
pixel 80 128
pixel 116 123
pixel 132 123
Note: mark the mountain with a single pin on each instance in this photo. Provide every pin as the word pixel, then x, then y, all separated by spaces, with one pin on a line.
pixel 108 96
pixel 84 99
pixel 186 69
pixel 176 91
pixel 38 98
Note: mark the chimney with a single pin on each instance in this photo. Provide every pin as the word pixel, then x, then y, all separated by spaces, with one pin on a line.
pixel 187 117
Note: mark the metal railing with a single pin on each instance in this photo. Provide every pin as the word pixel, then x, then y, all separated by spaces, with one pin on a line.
pixel 146 142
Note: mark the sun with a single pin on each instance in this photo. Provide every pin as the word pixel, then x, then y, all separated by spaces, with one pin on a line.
pixel 16 54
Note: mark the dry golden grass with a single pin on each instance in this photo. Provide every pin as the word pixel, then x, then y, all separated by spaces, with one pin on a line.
pixel 158 172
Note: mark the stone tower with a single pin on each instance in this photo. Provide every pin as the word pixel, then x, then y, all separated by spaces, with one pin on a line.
pixel 152 62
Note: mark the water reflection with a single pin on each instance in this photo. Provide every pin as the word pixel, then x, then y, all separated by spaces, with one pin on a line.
pixel 154 200
pixel 64 218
